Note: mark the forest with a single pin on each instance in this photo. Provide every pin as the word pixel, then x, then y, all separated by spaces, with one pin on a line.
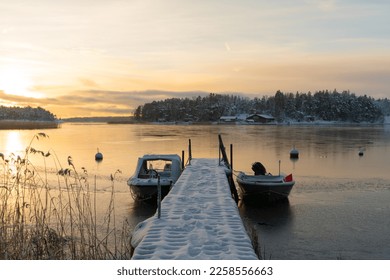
pixel 26 113
pixel 284 107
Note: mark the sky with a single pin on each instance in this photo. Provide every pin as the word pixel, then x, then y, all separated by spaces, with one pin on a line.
pixel 106 57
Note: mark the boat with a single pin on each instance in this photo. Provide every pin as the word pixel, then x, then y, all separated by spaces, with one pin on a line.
pixel 264 186
pixel 153 168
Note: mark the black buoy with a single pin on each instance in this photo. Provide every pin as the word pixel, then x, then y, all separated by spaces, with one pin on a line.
pixel 294 153
pixel 98 156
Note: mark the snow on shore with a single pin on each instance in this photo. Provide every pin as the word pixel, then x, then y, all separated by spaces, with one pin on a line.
pixel 199 220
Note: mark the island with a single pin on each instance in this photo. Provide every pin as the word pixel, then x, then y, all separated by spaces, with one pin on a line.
pixel 27 118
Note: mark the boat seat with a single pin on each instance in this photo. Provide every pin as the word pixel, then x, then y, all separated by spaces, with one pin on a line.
pixel 145 174
pixel 168 167
pixel 165 173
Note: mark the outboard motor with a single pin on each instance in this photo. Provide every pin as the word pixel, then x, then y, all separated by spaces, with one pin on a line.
pixel 258 168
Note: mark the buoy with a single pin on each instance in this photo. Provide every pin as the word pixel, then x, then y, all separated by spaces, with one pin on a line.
pixel 294 153
pixel 98 156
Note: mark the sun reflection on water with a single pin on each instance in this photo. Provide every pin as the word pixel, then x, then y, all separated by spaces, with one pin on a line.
pixel 13 143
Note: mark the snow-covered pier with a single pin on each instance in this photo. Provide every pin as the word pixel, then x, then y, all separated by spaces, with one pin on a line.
pixel 199 220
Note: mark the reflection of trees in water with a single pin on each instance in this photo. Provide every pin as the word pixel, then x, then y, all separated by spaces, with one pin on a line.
pixel 317 136
pixel 324 139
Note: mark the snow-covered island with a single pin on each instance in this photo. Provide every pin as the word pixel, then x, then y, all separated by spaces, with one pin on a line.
pixel 26 118
pixel 282 108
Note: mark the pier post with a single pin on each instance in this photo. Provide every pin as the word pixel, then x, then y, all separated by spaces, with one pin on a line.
pixel 182 159
pixel 231 179
pixel 158 197
pixel 231 157
pixel 189 152
pixel 222 150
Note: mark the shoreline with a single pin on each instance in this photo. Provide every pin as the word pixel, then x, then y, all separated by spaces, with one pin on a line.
pixel 26 124
pixel 130 120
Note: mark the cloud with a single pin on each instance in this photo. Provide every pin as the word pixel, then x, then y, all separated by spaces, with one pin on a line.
pixel 100 102
pixel 103 58
pixel 88 82
pixel 324 5
pixel 10 99
pixel 227 47
pixel 96 102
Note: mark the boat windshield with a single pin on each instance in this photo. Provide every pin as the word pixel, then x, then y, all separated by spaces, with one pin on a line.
pixel 152 167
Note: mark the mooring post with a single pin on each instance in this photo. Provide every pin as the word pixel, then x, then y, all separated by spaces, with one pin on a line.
pixel 158 197
pixel 231 157
pixel 189 152
pixel 232 185
pixel 223 151
pixel 182 159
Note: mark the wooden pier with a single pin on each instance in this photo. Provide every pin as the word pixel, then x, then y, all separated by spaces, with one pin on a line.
pixel 199 220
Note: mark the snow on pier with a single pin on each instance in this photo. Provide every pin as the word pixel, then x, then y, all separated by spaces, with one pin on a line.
pixel 199 220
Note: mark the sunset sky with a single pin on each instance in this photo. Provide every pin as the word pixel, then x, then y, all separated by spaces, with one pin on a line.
pixel 106 57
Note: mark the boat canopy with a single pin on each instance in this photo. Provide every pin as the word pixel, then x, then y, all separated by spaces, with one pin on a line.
pixel 168 165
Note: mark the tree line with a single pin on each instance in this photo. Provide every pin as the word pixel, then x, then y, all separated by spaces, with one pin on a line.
pixel 322 105
pixel 26 113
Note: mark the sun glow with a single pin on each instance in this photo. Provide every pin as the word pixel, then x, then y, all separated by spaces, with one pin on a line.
pixel 17 82
pixel 13 144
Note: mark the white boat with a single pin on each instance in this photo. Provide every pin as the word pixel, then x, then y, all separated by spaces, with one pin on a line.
pixel 265 186
pixel 151 168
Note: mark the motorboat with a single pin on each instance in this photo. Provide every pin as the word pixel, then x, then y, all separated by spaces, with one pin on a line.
pixel 264 185
pixel 153 170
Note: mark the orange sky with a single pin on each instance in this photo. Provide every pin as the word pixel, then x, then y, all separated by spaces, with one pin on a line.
pixel 89 58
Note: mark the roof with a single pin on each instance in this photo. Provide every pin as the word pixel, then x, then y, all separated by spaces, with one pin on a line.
pixel 264 116
pixel 228 118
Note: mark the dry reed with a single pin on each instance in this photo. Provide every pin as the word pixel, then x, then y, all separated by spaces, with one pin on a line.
pixel 39 220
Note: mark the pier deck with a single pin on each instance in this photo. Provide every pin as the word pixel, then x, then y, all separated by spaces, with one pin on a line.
pixel 199 220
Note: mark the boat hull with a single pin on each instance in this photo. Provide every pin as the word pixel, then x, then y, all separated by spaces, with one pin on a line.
pixel 147 189
pixel 264 187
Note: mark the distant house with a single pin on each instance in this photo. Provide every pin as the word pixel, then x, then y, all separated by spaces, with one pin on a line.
pixel 260 118
pixel 242 117
pixel 227 119
pixel 309 118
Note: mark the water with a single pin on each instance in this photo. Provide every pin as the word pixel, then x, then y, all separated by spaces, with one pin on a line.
pixel 338 209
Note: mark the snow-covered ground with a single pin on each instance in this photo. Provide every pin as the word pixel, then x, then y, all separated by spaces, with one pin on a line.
pixel 199 220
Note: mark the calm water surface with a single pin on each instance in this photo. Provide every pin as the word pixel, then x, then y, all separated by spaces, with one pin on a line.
pixel 338 209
